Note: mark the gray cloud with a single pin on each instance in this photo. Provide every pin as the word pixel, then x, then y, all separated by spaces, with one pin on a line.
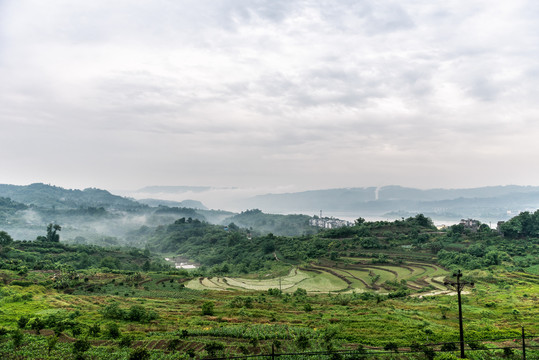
pixel 281 93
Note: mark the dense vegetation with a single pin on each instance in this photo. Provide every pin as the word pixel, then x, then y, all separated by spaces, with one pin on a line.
pixel 375 286
pixel 286 225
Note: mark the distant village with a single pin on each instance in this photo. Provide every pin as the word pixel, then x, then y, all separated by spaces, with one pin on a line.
pixel 329 222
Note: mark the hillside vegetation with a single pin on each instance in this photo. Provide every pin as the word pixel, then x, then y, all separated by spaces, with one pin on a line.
pixel 373 287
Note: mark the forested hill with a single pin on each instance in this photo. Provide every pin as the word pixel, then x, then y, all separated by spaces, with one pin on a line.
pixel 231 247
pixel 48 196
pixel 9 207
pixel 287 225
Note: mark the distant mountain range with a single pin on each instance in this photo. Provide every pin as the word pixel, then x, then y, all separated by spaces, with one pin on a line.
pixel 488 203
pixel 485 203
pixel 192 204
pixel 173 189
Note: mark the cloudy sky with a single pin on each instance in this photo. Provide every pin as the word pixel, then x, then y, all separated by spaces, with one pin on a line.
pixel 287 94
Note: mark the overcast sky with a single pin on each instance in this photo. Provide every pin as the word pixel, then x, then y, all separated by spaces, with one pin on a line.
pixel 269 94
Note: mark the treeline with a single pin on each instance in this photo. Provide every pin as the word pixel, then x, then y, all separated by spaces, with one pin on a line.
pixel 525 224
pixel 230 249
pixel 283 225
pixel 22 256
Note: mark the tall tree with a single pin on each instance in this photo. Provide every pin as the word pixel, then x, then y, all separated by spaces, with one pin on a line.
pixel 5 239
pixel 52 232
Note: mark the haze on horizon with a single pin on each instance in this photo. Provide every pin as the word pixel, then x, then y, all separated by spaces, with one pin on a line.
pixel 288 95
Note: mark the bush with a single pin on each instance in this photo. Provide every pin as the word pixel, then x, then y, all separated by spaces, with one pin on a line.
pixel 36 324
pixel 23 320
pixel 126 341
pixel 213 347
pixel 135 313
pixel 139 354
pixel 17 337
pixel 445 356
pixel 449 347
pixel 80 347
pixel 207 308
pixel 508 352
pixel 474 345
pixel 302 342
pixel 94 330
pixel 140 314
pixel 173 344
pixel 113 331
pixel 391 346
pixel 113 311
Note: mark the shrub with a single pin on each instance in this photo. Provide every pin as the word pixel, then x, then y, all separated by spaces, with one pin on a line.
pixel 51 343
pixel 474 345
pixel 508 352
pixel 191 353
pixel 449 347
pixel 17 337
pixel 391 346
pixel 126 341
pixel 429 353
pixel 212 347
pixel 207 308
pixel 80 347
pixel 23 320
pixel 113 311
pixel 302 342
pixel 113 331
pixel 173 344
pixel 445 356
pixel 36 324
pixel 139 354
pixel 140 314
pixel 94 330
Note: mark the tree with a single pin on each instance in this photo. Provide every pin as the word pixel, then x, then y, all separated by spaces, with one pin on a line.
pixel 5 239
pixel 52 233
pixel 113 331
pixel 359 221
pixel 146 266
pixel 52 230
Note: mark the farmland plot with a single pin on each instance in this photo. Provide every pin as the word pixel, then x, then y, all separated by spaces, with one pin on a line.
pixel 327 278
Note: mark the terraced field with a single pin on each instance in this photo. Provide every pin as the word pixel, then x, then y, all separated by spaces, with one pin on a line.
pixel 355 275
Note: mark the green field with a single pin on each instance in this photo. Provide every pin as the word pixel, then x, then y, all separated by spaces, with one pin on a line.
pixel 342 277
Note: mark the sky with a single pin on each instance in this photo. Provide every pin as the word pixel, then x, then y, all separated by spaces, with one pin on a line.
pixel 283 95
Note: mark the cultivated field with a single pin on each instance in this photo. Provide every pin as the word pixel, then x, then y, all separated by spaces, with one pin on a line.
pixel 354 275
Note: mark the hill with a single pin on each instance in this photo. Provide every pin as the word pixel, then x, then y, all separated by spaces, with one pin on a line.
pixel 49 196
pixel 193 204
pixel 486 203
pixel 286 225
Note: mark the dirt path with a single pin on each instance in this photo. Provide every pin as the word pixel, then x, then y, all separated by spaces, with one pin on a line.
pixel 439 292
